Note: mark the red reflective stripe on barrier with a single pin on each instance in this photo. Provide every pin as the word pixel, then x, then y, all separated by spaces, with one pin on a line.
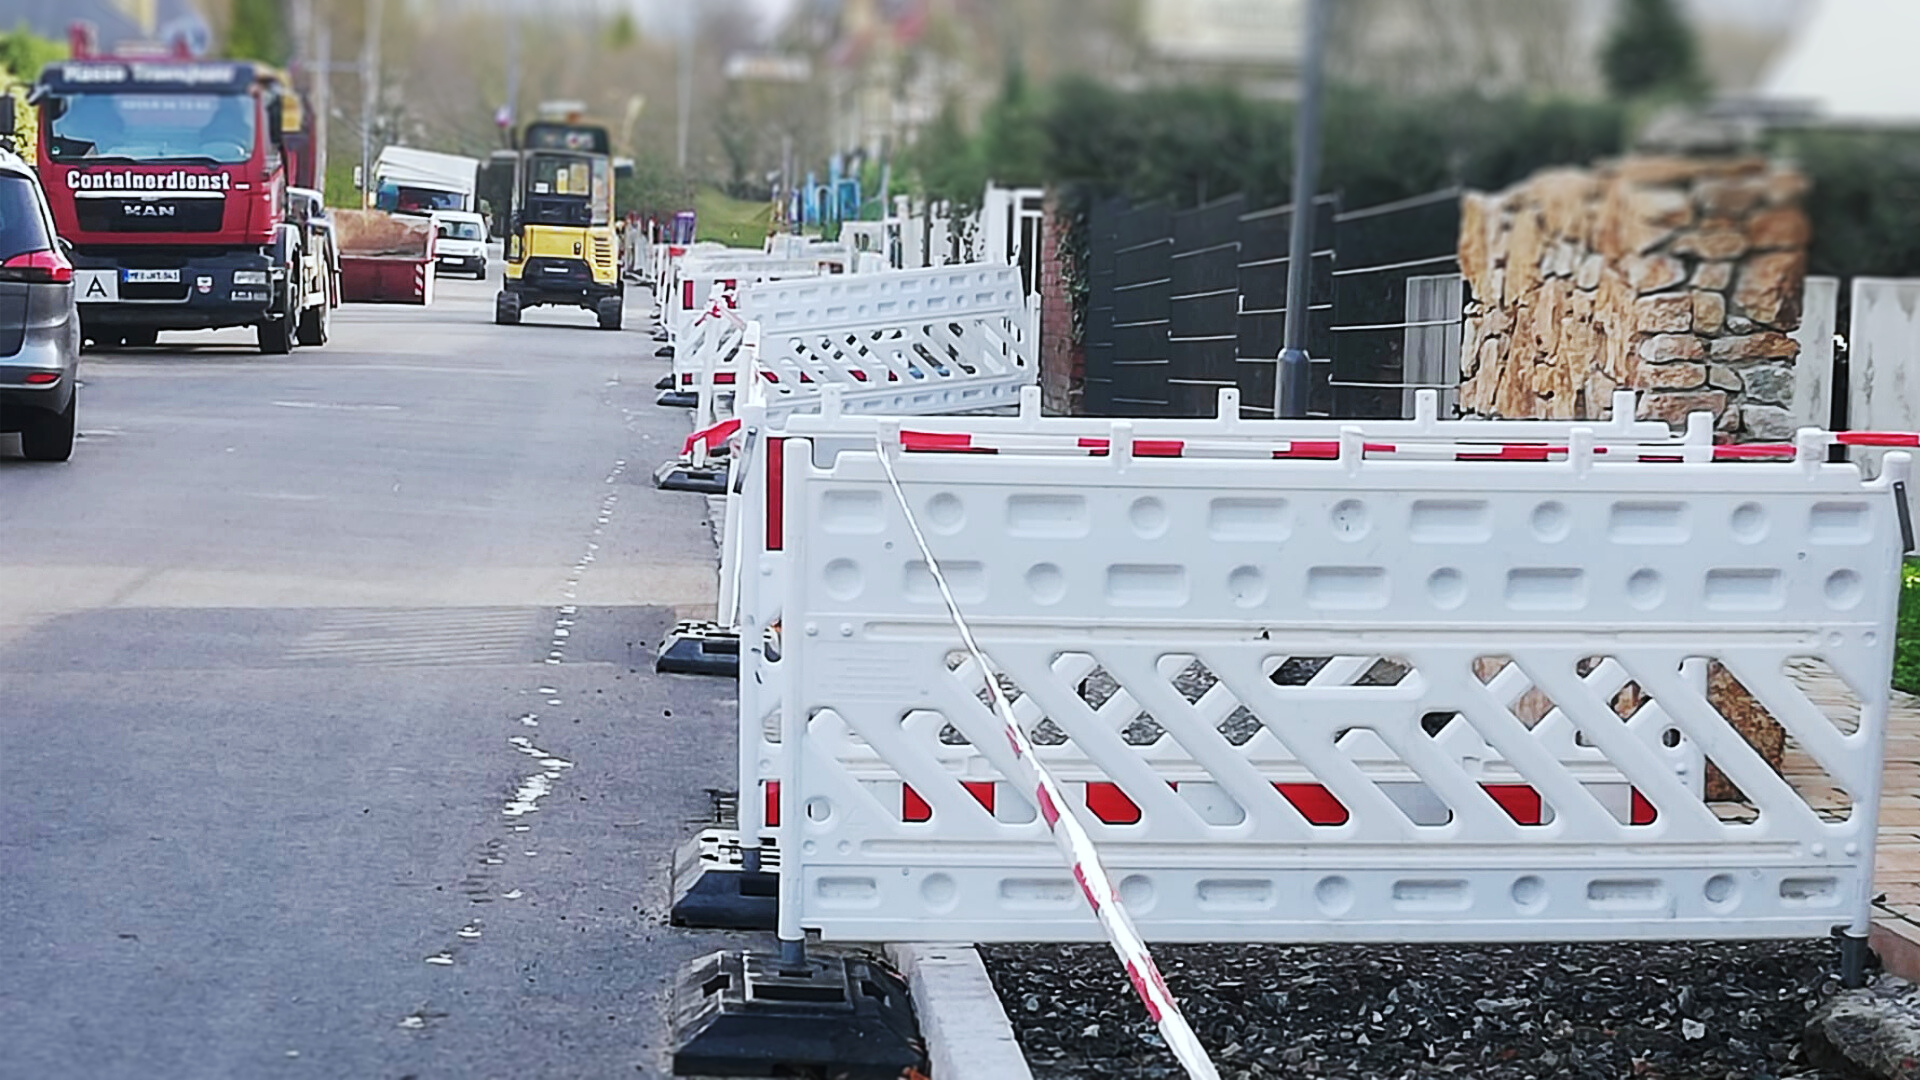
pixel 776 496
pixel 940 442
pixel 686 296
pixel 687 379
pixel 718 433
pixel 912 806
pixel 1520 801
pixel 1876 438
pixel 1753 451
pixel 858 375
pixel 1513 453
pixel 982 792
pixel 723 378
pixel 1141 447
pixel 769 376
pixel 1111 805
pixel 1314 802
pixel 772 814
pixel 1310 448
pixel 1640 811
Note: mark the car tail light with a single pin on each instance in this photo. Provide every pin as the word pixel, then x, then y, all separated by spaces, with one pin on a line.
pixel 38 267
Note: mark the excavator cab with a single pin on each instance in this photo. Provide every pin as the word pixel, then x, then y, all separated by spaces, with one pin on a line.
pixel 560 241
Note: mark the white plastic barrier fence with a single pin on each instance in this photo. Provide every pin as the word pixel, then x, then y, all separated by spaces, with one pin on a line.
pixel 761 595
pixel 704 283
pixel 896 342
pixel 1605 573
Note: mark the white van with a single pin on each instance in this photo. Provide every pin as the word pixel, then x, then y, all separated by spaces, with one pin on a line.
pixel 460 242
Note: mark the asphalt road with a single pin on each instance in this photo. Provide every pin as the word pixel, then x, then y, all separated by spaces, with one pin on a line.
pixel 291 783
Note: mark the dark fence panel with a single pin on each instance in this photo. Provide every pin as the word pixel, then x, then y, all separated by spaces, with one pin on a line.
pixel 1204 305
pixel 1388 256
pixel 1182 304
pixel 1097 339
pixel 1266 236
pixel 1142 294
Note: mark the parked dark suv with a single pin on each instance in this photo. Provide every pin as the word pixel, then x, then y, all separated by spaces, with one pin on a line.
pixel 39 329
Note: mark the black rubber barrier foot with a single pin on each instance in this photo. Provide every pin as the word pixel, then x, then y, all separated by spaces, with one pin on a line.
pixel 747 1014
pixel 729 900
pixel 714 889
pixel 681 476
pixel 678 399
pixel 699 648
pixel 665 383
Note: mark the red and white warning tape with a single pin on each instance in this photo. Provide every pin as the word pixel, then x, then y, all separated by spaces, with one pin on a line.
pixel 1067 832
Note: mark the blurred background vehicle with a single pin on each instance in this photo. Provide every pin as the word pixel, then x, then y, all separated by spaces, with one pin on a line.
pixel 39 327
pixel 460 242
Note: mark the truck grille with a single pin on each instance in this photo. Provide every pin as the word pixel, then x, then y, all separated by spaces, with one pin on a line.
pixel 134 214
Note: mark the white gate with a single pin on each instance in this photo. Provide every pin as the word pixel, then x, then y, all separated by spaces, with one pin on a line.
pixel 1118 588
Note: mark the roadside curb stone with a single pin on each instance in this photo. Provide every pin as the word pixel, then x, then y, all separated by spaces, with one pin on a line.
pixel 1875 1028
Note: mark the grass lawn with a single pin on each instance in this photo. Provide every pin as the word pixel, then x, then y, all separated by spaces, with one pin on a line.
pixel 1906 652
pixel 731 221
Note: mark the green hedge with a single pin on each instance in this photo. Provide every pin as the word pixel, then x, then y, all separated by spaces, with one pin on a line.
pixel 1906 651
pixel 1191 144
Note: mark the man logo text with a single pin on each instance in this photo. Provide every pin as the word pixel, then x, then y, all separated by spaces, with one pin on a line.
pixel 147 210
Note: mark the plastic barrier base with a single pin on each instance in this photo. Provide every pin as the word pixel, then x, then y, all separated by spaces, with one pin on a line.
pixel 665 382
pixel 750 1014
pixel 729 900
pixel 678 399
pixel 686 476
pixel 713 890
pixel 699 648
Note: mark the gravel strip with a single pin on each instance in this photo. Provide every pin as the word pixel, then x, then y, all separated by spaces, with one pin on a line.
pixel 1667 1011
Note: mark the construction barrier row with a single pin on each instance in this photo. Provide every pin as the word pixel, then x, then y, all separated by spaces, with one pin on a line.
pixel 1288 690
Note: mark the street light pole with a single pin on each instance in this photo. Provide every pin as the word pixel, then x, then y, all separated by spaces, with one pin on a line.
pixel 369 93
pixel 686 79
pixel 1290 380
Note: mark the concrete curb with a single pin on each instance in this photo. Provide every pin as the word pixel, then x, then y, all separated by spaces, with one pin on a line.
pixel 967 1033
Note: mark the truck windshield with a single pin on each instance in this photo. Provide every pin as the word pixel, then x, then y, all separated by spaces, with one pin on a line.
pixel 155 127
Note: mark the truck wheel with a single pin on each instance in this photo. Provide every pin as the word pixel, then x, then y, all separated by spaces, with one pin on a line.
pixel 46 436
pixel 609 311
pixel 316 324
pixel 145 338
pixel 276 336
pixel 506 308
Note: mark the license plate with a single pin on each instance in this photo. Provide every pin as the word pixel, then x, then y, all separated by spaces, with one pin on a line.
pixel 247 296
pixel 96 286
pixel 149 276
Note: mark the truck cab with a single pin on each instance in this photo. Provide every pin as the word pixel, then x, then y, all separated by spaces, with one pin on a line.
pixel 170 179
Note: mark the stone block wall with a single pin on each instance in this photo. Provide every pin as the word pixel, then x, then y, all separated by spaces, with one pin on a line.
pixel 1678 277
